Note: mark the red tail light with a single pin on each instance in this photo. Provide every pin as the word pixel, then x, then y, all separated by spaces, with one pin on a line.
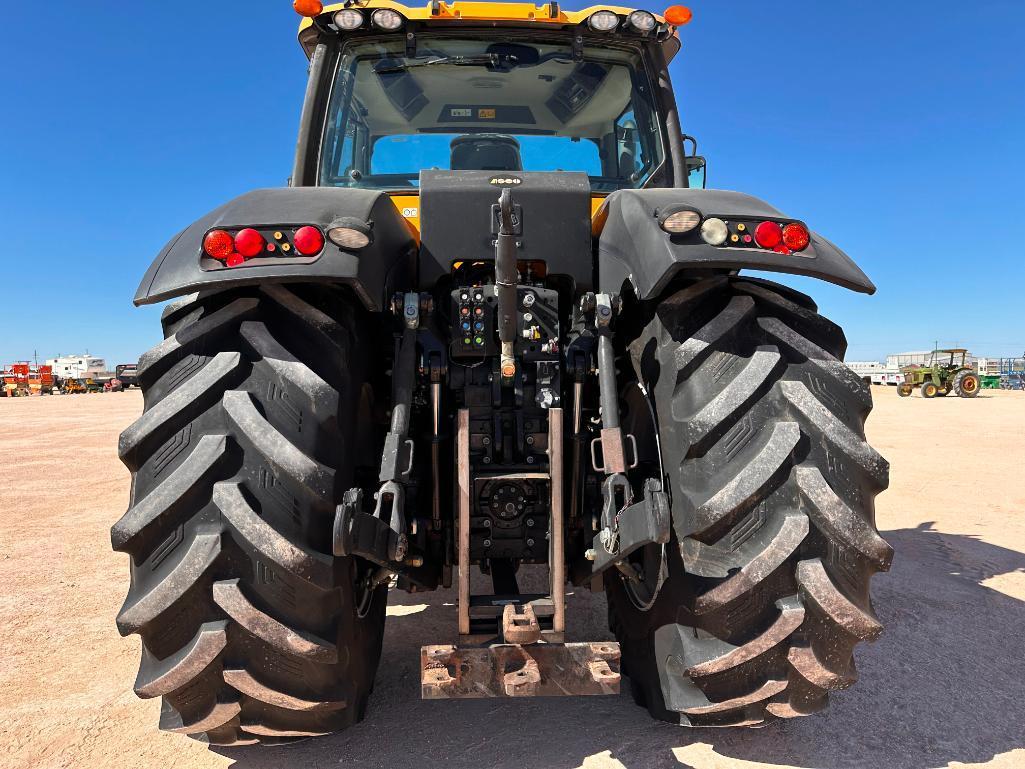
pixel 796 237
pixel 308 241
pixel 234 260
pixel 768 235
pixel 219 244
pixel 249 243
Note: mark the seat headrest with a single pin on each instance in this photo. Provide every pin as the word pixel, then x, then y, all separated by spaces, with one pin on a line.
pixel 486 152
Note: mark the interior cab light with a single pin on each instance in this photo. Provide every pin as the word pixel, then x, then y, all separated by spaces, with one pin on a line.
pixel 308 8
pixel 678 15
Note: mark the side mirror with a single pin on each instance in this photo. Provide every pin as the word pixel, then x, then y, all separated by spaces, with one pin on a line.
pixel 695 164
pixel 696 171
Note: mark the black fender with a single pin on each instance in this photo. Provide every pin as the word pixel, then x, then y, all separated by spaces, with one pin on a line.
pixel 374 272
pixel 633 248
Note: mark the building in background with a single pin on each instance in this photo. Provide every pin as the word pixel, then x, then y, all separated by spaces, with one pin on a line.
pixel 908 359
pixel 78 367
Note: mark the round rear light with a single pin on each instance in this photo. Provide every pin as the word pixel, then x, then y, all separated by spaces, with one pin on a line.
pixel 348 19
pixel 603 21
pixel 250 243
pixel 308 241
pixel 219 244
pixel 680 222
pixel 714 231
pixel 642 21
pixel 768 235
pixel 796 236
pixel 348 238
pixel 385 18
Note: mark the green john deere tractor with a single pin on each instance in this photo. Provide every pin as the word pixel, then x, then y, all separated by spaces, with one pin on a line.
pixel 946 372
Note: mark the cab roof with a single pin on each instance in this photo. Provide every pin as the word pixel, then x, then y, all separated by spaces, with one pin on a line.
pixel 477 14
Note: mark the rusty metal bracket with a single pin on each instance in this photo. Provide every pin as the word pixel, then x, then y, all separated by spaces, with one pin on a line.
pixel 463 509
pixel 514 670
pixel 520 625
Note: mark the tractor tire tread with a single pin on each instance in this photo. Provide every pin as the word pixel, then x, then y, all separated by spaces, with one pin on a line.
pixel 238 462
pixel 772 485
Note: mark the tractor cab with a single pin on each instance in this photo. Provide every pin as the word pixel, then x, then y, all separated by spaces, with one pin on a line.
pixel 950 359
pixel 492 88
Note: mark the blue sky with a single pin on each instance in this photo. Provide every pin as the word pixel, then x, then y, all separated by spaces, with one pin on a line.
pixel 895 129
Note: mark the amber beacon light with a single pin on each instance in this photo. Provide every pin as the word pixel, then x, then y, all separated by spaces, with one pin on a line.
pixel 678 15
pixel 308 7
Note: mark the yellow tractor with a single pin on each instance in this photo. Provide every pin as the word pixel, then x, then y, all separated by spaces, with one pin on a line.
pixel 495 325
pixel 72 386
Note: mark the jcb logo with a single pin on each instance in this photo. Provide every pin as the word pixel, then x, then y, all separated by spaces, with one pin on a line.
pixel 506 180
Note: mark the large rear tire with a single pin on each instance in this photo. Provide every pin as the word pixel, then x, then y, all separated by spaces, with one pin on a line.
pixel 251 630
pixel 966 384
pixel 764 590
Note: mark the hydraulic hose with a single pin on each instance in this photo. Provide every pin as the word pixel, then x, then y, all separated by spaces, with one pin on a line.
pixel 506 278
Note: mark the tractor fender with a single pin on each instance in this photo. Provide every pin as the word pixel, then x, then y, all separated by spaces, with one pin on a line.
pixel 374 272
pixel 633 248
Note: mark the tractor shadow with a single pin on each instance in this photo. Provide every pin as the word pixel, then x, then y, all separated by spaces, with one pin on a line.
pixel 945 683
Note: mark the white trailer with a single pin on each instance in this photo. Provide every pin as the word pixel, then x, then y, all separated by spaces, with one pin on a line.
pixel 78 367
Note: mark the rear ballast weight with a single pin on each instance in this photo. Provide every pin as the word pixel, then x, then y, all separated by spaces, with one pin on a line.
pixel 391 376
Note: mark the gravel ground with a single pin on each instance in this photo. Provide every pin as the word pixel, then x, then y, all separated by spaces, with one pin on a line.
pixel 944 686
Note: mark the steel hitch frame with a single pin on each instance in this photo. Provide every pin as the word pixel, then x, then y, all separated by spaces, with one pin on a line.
pixel 629 528
pixel 527 656
pixel 519 670
pixel 625 526
pixel 381 536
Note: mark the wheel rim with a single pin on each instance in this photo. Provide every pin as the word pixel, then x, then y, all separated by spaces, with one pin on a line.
pixel 969 384
pixel 653 572
pixel 364 591
pixel 649 562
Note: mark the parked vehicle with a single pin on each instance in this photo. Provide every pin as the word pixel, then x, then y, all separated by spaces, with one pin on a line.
pixel 127 374
pixel 946 372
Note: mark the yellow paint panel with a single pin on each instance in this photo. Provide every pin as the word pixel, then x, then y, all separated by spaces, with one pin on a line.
pixel 472 10
pixel 409 207
pixel 599 213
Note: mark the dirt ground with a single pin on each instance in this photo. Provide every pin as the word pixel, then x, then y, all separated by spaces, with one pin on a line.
pixel 944 686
